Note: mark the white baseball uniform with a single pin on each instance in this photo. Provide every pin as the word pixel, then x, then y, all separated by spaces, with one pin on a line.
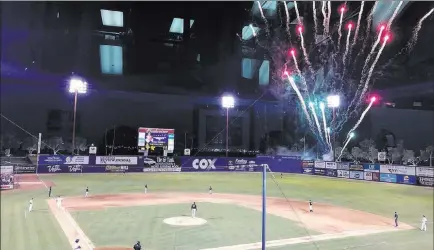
pixel 30 205
pixel 423 226
pixel 59 202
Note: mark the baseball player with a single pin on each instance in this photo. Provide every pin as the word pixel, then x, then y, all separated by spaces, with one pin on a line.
pixel 137 246
pixel 210 189
pixel 193 210
pixel 396 219
pixel 146 188
pixel 59 201
pixel 424 221
pixel 49 191
pixel 310 206
pixel 87 192
pixel 281 175
pixel 31 205
pixel 76 245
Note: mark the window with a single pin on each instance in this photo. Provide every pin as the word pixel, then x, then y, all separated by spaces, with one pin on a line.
pixel 247 32
pixel 248 67
pixel 178 25
pixel 111 58
pixel 264 73
pixel 112 18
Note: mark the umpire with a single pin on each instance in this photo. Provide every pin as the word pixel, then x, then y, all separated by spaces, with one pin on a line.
pixel 137 246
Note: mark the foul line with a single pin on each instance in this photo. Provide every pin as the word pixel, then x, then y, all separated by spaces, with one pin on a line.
pixel 305 239
pixel 71 220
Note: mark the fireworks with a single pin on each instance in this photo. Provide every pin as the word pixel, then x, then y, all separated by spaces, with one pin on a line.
pixel 327 64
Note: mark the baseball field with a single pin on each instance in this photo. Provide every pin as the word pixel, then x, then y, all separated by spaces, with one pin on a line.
pixel 347 214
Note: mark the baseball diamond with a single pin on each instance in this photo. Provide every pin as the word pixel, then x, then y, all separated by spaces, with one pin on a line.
pixel 117 212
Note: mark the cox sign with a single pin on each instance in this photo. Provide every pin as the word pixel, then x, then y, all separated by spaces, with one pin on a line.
pixel 204 164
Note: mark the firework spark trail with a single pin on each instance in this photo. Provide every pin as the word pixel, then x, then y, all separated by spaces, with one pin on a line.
pixel 315 117
pixel 253 30
pixel 344 58
pixel 416 30
pixel 356 33
pixel 322 107
pixel 344 147
pixel 371 70
pixel 315 21
pixel 340 27
pixel 368 58
pixel 303 80
pixel 296 12
pixel 329 7
pixel 394 15
pixel 409 47
pixel 263 17
pixel 368 30
pixel 300 97
pixel 324 21
pixel 362 116
pixel 287 21
pixel 306 56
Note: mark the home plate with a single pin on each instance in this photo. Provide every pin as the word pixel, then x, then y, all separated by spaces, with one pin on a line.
pixel 184 221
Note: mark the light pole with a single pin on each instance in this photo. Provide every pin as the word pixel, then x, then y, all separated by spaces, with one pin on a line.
pixel 227 103
pixel 76 86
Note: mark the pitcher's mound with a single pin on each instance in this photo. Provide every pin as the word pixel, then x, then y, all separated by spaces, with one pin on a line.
pixel 184 221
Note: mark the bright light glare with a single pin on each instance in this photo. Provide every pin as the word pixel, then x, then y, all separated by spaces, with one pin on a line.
pixel 333 101
pixel 76 85
pixel 228 102
pixel 321 105
pixel 373 99
pixel 351 134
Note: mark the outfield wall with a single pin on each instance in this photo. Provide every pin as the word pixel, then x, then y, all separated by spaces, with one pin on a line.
pixel 53 164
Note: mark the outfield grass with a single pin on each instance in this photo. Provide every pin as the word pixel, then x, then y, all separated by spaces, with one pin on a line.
pixel 41 231
pixel 226 224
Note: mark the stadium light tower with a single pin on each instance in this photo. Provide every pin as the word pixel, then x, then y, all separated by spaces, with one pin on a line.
pixel 76 86
pixel 227 103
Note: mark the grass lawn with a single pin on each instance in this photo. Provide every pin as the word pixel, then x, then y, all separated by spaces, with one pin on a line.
pixel 227 225
pixel 41 230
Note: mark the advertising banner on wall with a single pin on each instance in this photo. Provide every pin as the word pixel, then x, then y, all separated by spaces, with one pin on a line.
pixel 343 165
pixel 307 164
pixel 391 169
pixel 388 178
pixel 343 174
pixel 371 167
pixel 356 167
pixel 196 164
pixel 406 179
pixel 358 175
pixel 307 170
pixel 319 171
pixel 116 168
pixel 425 171
pixel 282 164
pixel 331 165
pixel 332 172
pixel 25 169
pixel 375 176
pixel 368 176
pixel 7 169
pixel 116 160
pixel 319 164
pixel 161 164
pixel 62 159
pixel 425 181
